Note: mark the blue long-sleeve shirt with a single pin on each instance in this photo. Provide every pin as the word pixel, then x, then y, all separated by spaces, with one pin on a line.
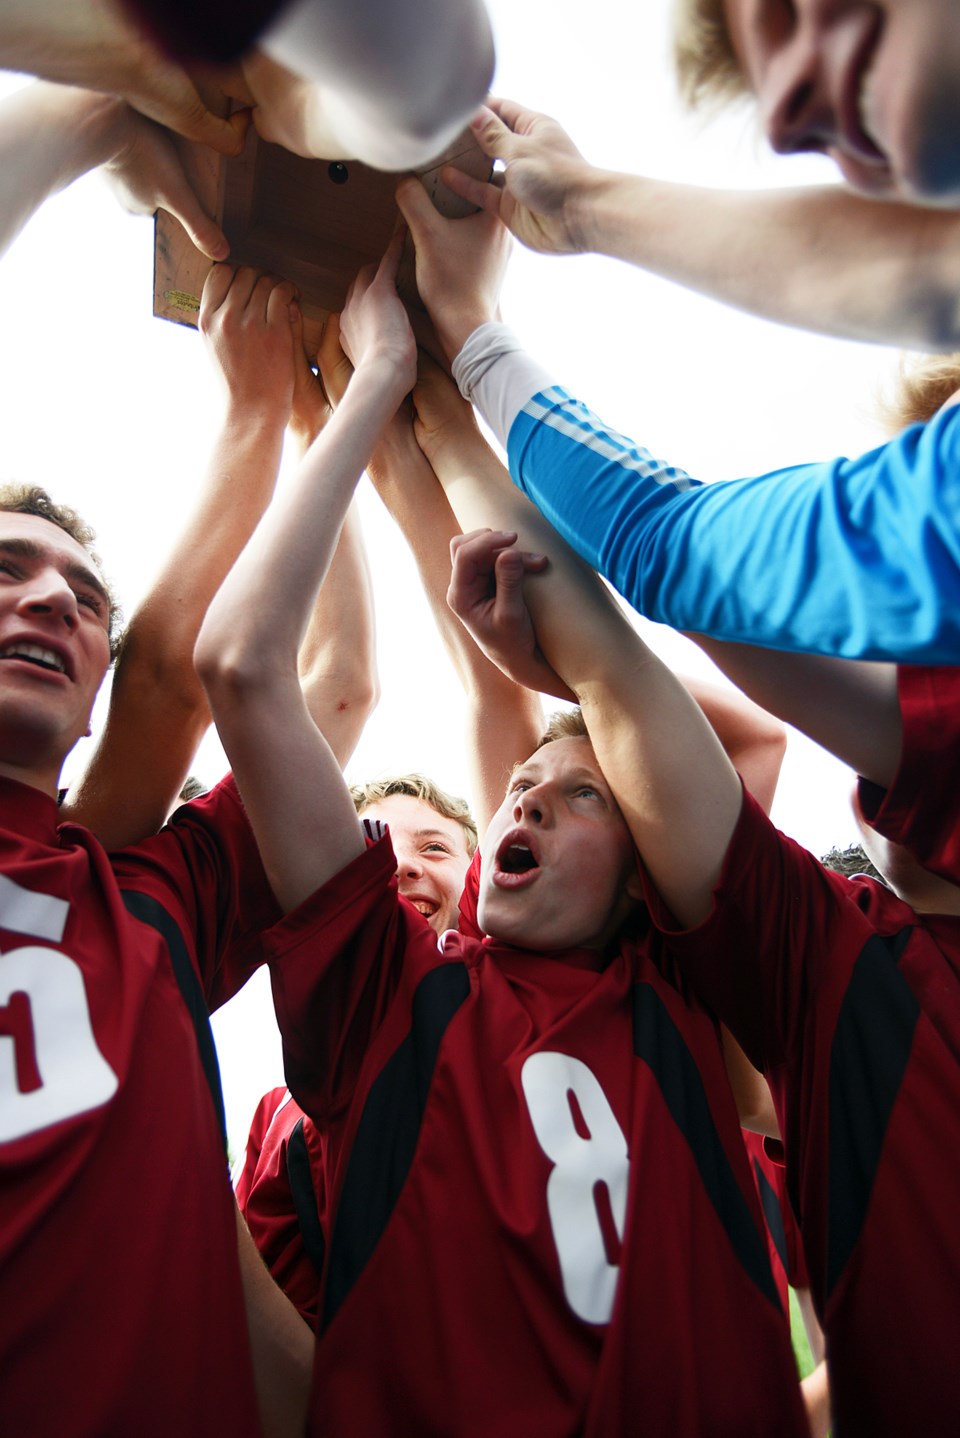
pixel 852 557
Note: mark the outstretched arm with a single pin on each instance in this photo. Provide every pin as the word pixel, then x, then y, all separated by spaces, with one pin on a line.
pixel 299 806
pixel 847 706
pixel 819 258
pixel 50 135
pixel 158 711
pixel 281 1344
pixel 678 791
pixel 859 558
pixel 91 43
pixel 504 719
pixel 338 664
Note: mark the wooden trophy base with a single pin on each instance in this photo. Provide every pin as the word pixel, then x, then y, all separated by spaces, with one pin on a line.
pixel 314 222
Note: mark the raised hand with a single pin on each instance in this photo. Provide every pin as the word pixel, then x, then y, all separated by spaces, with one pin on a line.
pixel 486 595
pixel 460 265
pixel 92 45
pixel 146 174
pixel 247 320
pixel 539 192
pixel 374 327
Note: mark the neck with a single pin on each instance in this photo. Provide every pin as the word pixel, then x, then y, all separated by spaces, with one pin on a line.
pixel 46 778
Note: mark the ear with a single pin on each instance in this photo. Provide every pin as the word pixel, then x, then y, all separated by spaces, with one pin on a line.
pixel 634 885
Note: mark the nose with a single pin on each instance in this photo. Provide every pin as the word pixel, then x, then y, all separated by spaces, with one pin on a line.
pixel 795 104
pixel 532 806
pixel 49 595
pixel 409 865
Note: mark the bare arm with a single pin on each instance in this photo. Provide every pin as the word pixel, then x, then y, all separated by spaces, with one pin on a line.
pixel 821 258
pixel 849 706
pixel 300 808
pixel 91 43
pixel 158 711
pixel 504 719
pixel 678 791
pixel 50 135
pixel 338 666
pixel 281 1345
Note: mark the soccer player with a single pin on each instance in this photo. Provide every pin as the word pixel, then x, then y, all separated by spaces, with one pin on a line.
pixel 841 991
pixel 541 1201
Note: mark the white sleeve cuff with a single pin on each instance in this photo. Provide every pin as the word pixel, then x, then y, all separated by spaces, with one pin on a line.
pixel 495 374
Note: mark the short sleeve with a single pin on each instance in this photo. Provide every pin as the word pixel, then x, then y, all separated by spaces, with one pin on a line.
pixel 203 873
pixel 921 808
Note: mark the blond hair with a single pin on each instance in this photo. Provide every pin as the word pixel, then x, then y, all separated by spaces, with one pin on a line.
pixel 31 499
pixel 564 724
pixel 708 71
pixel 418 786
pixel 923 383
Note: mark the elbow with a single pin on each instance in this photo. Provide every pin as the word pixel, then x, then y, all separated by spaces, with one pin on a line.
pixel 228 669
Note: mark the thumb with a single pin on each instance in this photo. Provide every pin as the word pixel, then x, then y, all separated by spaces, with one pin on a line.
pixel 509 569
pixel 491 134
pixel 417 209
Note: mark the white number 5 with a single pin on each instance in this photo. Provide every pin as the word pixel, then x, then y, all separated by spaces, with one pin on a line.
pixel 50 1065
pixel 588 1183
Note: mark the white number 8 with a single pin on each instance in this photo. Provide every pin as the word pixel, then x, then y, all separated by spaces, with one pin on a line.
pixel 581 1163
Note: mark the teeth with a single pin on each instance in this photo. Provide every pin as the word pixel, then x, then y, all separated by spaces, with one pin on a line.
pixel 518 857
pixel 36 653
pixel 427 910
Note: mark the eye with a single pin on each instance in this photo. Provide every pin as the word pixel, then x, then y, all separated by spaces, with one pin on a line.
pixel 436 848
pixel 89 601
pixel 519 786
pixel 586 792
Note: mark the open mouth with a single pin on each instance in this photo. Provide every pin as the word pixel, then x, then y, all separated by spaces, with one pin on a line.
pixel 516 855
pixel 36 654
pixel 517 859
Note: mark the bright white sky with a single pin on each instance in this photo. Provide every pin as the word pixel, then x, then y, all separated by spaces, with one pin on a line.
pixel 115 411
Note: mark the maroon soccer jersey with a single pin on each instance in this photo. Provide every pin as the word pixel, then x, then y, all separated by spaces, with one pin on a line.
pixel 784 1244
pixel 280 1190
pixel 850 1003
pixel 122 1310
pixel 921 809
pixel 540 1214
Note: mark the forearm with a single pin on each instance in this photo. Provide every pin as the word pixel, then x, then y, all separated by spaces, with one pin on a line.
pixel 259 618
pixel 338 668
pixel 158 710
pixel 281 1344
pixel 299 806
pixel 847 706
pixel 50 135
pixel 820 258
pixel 858 558
pixel 503 719
pixel 678 792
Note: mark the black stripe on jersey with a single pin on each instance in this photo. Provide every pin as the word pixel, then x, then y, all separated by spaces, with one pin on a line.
pixel 304 1197
pixel 151 912
pixel 659 1043
pixel 387 1134
pixel 871 1050
pixel 773 1214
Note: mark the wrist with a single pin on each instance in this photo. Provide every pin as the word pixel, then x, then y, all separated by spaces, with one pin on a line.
pixel 456 326
pixel 599 211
